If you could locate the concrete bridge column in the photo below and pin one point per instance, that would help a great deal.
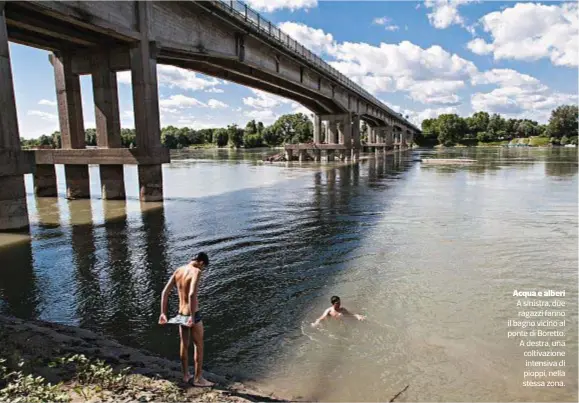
(345, 128)
(289, 154)
(45, 181)
(356, 142)
(388, 137)
(13, 210)
(71, 123)
(143, 60)
(302, 154)
(332, 132)
(317, 129)
(402, 140)
(317, 155)
(108, 124)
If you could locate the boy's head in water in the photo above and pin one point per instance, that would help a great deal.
(202, 260)
(335, 302)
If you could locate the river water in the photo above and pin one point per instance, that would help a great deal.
(430, 254)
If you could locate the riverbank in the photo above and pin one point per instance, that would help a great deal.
(76, 364)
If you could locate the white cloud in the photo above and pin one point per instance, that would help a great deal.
(47, 102)
(215, 90)
(179, 101)
(518, 95)
(43, 115)
(266, 116)
(386, 22)
(506, 77)
(314, 39)
(175, 77)
(430, 75)
(299, 108)
(529, 31)
(273, 5)
(263, 100)
(445, 13)
(215, 104)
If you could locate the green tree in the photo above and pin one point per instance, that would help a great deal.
(235, 136)
(251, 127)
(363, 132)
(451, 129)
(271, 137)
(260, 128)
(252, 140)
(169, 136)
(206, 135)
(479, 122)
(496, 125)
(221, 137)
(90, 137)
(56, 139)
(526, 128)
(564, 140)
(128, 138)
(294, 128)
(563, 121)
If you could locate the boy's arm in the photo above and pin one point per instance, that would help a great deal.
(321, 318)
(348, 313)
(165, 299)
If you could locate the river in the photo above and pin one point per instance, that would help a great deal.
(430, 254)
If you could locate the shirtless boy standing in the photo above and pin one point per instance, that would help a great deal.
(187, 279)
(337, 311)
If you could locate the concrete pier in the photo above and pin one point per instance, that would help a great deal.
(45, 181)
(150, 183)
(143, 60)
(13, 209)
(108, 123)
(302, 155)
(77, 182)
(71, 122)
(112, 182)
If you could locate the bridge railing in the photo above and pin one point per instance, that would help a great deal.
(247, 15)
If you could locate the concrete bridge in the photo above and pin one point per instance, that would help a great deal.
(224, 39)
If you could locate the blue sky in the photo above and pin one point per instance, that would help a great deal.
(421, 58)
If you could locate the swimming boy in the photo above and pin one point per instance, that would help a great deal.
(337, 311)
(186, 279)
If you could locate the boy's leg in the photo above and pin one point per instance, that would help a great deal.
(197, 332)
(185, 333)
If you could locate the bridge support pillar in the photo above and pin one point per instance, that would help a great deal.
(329, 155)
(289, 154)
(112, 182)
(317, 155)
(77, 181)
(332, 132)
(150, 183)
(302, 155)
(317, 129)
(356, 141)
(143, 60)
(45, 181)
(71, 123)
(108, 124)
(13, 209)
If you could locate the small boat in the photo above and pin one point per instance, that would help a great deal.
(452, 161)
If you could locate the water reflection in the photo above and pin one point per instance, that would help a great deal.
(18, 283)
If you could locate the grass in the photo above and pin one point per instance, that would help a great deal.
(90, 379)
(538, 141)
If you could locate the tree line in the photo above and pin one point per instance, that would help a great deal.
(451, 129)
(288, 129)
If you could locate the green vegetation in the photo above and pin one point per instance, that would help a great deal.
(484, 129)
(81, 377)
(293, 128)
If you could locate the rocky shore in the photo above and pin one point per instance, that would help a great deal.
(46, 361)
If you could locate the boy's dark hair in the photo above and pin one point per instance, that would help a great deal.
(334, 299)
(202, 257)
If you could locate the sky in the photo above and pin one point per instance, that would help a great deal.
(422, 59)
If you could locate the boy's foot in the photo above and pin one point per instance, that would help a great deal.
(187, 378)
(202, 383)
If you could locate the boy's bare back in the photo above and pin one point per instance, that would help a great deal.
(184, 277)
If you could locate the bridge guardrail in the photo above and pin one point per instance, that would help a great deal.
(247, 15)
